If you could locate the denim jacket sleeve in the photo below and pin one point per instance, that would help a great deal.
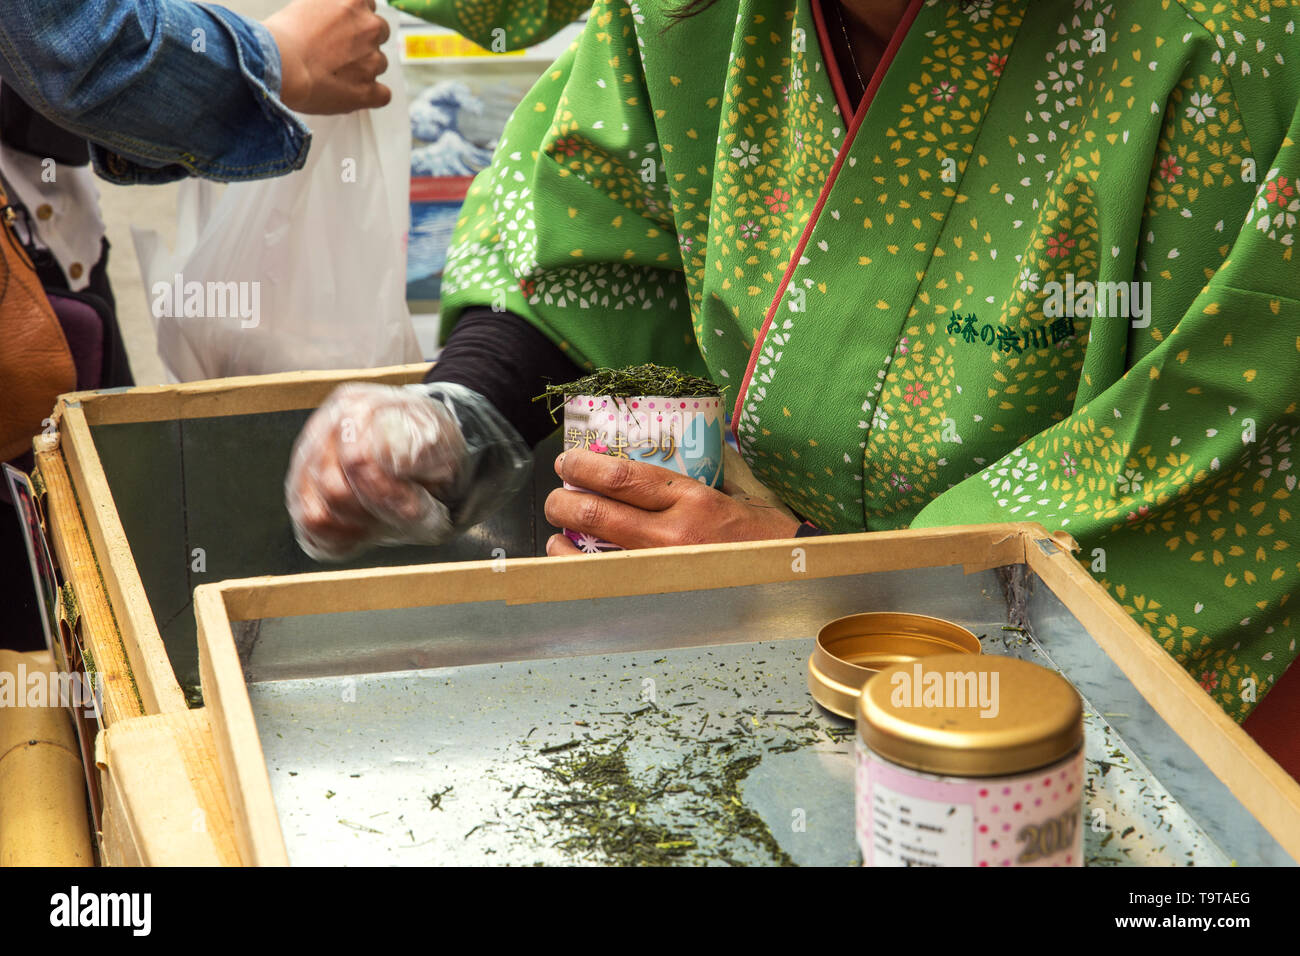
(164, 89)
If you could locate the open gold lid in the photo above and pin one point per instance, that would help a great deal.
(850, 650)
(964, 716)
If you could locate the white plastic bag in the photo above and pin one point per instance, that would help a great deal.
(305, 271)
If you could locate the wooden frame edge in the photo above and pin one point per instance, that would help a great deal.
(217, 397)
(1270, 794)
(1253, 777)
(154, 677)
(100, 635)
(242, 763)
(143, 763)
(535, 580)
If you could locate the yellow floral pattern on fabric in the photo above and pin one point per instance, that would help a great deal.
(1051, 280)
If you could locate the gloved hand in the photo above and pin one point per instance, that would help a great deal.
(382, 465)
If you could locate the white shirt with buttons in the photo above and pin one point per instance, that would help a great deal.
(63, 203)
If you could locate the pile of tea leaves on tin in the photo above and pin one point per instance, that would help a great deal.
(636, 380)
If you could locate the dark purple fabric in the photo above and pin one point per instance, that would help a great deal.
(83, 327)
(806, 530)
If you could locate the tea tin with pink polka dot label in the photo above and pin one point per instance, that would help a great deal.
(969, 761)
(685, 435)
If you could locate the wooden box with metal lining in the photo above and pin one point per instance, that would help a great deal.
(653, 707)
(146, 493)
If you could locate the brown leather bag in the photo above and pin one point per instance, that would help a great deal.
(35, 363)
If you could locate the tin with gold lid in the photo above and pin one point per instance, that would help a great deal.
(970, 761)
(851, 649)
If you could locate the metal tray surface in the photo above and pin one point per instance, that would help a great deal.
(691, 745)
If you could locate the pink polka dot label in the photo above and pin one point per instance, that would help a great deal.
(909, 818)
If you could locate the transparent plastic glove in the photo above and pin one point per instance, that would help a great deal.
(378, 465)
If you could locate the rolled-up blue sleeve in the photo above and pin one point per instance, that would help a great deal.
(163, 89)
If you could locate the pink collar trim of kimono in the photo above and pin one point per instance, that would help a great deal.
(837, 83)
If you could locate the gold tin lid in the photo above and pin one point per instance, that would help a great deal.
(975, 717)
(851, 649)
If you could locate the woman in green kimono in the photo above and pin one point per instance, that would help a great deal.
(956, 263)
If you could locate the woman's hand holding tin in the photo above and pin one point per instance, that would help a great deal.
(637, 505)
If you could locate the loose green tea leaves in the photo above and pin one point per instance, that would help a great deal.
(359, 827)
(691, 812)
(655, 380)
(647, 759)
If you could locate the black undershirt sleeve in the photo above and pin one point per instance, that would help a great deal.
(507, 361)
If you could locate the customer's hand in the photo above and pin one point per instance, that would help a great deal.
(645, 506)
(373, 465)
(329, 55)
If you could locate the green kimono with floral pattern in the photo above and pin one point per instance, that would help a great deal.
(520, 23)
(1045, 272)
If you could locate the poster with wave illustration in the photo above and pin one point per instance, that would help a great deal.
(460, 99)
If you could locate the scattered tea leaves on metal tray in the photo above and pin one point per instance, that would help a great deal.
(599, 769)
(358, 826)
(604, 811)
(596, 800)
